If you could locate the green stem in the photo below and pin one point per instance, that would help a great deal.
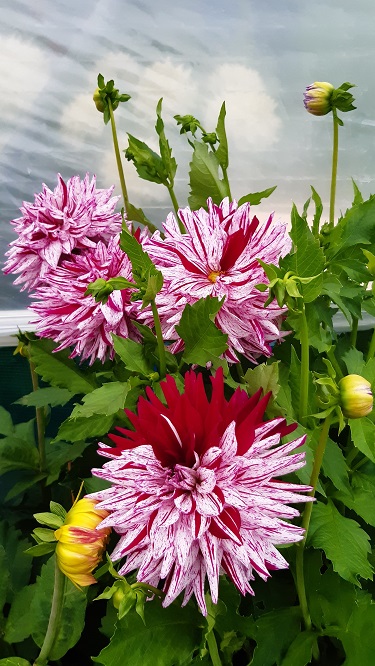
(351, 455)
(118, 160)
(300, 579)
(304, 389)
(40, 423)
(175, 206)
(159, 337)
(331, 357)
(54, 618)
(226, 181)
(335, 154)
(371, 349)
(213, 649)
(354, 331)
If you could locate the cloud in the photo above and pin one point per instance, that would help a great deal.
(252, 121)
(24, 74)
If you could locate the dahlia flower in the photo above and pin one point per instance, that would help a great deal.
(217, 256)
(74, 215)
(356, 397)
(71, 318)
(317, 98)
(194, 492)
(80, 545)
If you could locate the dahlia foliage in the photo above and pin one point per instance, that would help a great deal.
(194, 492)
(192, 353)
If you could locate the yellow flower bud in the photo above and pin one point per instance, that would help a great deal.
(317, 98)
(355, 396)
(81, 545)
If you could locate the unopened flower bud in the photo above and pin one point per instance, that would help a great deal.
(317, 98)
(81, 545)
(356, 397)
(98, 101)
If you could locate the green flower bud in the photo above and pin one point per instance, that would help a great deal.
(98, 101)
(356, 397)
(317, 98)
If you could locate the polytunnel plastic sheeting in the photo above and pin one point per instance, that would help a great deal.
(258, 56)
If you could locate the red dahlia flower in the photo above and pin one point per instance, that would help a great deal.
(194, 492)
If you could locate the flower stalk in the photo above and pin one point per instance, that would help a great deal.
(40, 422)
(305, 360)
(213, 649)
(306, 517)
(54, 618)
(335, 154)
(159, 337)
(118, 160)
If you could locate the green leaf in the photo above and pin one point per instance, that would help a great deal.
(132, 355)
(137, 215)
(74, 430)
(265, 376)
(52, 396)
(18, 564)
(58, 454)
(354, 228)
(107, 399)
(300, 651)
(308, 258)
(358, 636)
(343, 541)
(4, 577)
(272, 644)
(318, 211)
(20, 622)
(169, 638)
(16, 454)
(222, 151)
(354, 361)
(6, 423)
(57, 368)
(94, 484)
(14, 661)
(149, 165)
(254, 198)
(334, 465)
(49, 519)
(44, 534)
(41, 549)
(204, 342)
(140, 260)
(72, 617)
(169, 163)
(204, 178)
(362, 497)
(363, 436)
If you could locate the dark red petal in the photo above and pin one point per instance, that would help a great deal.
(227, 525)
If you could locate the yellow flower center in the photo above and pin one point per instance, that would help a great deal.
(213, 276)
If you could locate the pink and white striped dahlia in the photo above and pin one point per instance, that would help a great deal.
(194, 492)
(69, 317)
(74, 215)
(217, 256)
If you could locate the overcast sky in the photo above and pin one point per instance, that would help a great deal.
(258, 55)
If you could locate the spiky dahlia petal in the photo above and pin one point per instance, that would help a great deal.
(71, 318)
(75, 215)
(194, 491)
(218, 256)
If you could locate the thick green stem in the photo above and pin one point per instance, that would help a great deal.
(331, 357)
(371, 349)
(40, 422)
(213, 649)
(300, 579)
(159, 337)
(304, 388)
(335, 154)
(226, 181)
(54, 618)
(118, 160)
(176, 207)
(354, 331)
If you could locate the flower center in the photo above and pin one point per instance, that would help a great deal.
(214, 275)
